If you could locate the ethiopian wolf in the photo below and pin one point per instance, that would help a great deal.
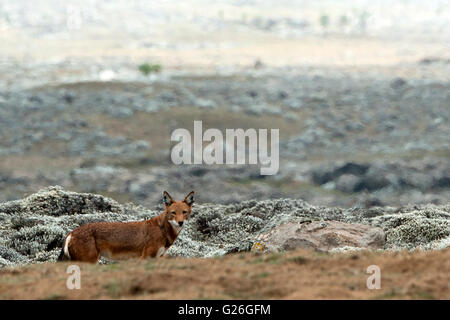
(119, 240)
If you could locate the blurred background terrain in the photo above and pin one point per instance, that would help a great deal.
(91, 90)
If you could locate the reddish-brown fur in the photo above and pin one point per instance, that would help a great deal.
(129, 239)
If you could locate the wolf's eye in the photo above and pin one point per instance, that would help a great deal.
(172, 212)
(184, 211)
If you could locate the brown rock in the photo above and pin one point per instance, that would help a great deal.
(323, 236)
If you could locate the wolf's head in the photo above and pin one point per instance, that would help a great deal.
(178, 211)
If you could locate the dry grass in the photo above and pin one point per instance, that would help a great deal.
(294, 275)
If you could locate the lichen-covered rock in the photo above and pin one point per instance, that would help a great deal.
(322, 236)
(32, 229)
(419, 231)
(54, 201)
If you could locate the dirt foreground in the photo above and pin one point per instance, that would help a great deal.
(294, 275)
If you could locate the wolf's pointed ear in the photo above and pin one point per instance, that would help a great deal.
(189, 200)
(167, 199)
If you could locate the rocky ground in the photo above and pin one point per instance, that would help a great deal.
(360, 93)
(346, 139)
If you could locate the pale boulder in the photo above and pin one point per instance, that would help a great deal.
(322, 236)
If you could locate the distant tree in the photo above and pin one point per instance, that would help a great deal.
(343, 20)
(147, 68)
(363, 17)
(324, 21)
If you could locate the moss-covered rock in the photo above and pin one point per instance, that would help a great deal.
(32, 229)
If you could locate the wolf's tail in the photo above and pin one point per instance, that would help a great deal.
(64, 254)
